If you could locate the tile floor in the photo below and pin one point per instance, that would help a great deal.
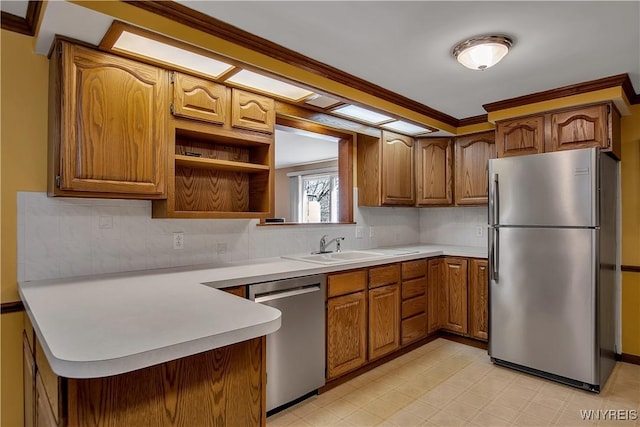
(445, 383)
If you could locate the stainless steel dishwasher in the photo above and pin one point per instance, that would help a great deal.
(295, 352)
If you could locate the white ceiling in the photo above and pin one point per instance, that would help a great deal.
(297, 147)
(15, 7)
(405, 46)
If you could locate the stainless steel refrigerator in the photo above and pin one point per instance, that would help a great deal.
(553, 264)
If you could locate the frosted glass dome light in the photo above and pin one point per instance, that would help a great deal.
(482, 52)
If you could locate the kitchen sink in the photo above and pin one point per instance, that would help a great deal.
(336, 257)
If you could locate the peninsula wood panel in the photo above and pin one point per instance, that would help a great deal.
(434, 171)
(239, 291)
(478, 299)
(472, 154)
(397, 169)
(455, 295)
(524, 135)
(253, 112)
(435, 294)
(384, 320)
(199, 99)
(108, 125)
(224, 386)
(346, 333)
(28, 376)
(581, 128)
(44, 416)
(51, 384)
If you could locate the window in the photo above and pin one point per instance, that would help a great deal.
(317, 197)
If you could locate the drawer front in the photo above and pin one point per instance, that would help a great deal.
(414, 306)
(386, 275)
(413, 269)
(346, 283)
(413, 288)
(414, 328)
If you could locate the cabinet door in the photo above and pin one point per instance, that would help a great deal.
(478, 298)
(346, 333)
(199, 99)
(435, 171)
(29, 384)
(384, 320)
(455, 291)
(113, 125)
(397, 169)
(435, 294)
(520, 136)
(239, 291)
(586, 127)
(252, 112)
(472, 159)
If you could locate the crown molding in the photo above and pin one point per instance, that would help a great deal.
(26, 25)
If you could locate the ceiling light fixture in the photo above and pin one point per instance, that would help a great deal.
(482, 52)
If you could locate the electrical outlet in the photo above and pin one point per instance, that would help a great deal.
(221, 248)
(178, 240)
(359, 232)
(479, 231)
(372, 232)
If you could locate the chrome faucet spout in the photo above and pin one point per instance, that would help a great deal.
(324, 243)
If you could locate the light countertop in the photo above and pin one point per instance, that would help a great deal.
(96, 326)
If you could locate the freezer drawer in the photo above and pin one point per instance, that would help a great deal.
(542, 300)
(551, 189)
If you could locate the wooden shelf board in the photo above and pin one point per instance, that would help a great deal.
(227, 165)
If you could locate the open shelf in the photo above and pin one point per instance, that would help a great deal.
(226, 165)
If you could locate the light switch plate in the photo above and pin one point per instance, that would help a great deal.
(359, 232)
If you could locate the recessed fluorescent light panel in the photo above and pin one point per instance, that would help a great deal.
(405, 127)
(155, 50)
(322, 101)
(362, 114)
(267, 84)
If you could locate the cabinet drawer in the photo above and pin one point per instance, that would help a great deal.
(414, 306)
(252, 112)
(413, 288)
(386, 275)
(346, 283)
(199, 99)
(414, 328)
(413, 269)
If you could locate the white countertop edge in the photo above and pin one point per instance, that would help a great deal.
(104, 368)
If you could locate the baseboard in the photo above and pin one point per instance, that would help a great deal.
(464, 340)
(628, 358)
(11, 307)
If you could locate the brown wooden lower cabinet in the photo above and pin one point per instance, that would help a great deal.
(346, 333)
(455, 295)
(225, 386)
(478, 298)
(435, 294)
(384, 320)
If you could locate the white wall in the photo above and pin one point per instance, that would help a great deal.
(63, 237)
(454, 226)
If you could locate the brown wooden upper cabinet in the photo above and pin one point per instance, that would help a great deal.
(107, 126)
(472, 161)
(253, 112)
(385, 170)
(434, 169)
(577, 127)
(520, 136)
(199, 99)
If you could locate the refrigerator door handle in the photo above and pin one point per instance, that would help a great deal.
(496, 199)
(491, 250)
(495, 254)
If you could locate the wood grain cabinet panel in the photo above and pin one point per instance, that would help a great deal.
(384, 275)
(478, 298)
(413, 269)
(435, 294)
(414, 301)
(397, 169)
(455, 295)
(414, 328)
(346, 283)
(252, 112)
(524, 135)
(29, 373)
(472, 164)
(346, 333)
(434, 171)
(581, 128)
(108, 125)
(199, 99)
(44, 416)
(384, 320)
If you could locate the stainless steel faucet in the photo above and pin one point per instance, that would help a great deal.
(324, 244)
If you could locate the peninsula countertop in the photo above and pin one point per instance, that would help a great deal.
(95, 326)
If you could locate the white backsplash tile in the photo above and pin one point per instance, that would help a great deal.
(64, 237)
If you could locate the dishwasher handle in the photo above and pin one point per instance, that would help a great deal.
(270, 296)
